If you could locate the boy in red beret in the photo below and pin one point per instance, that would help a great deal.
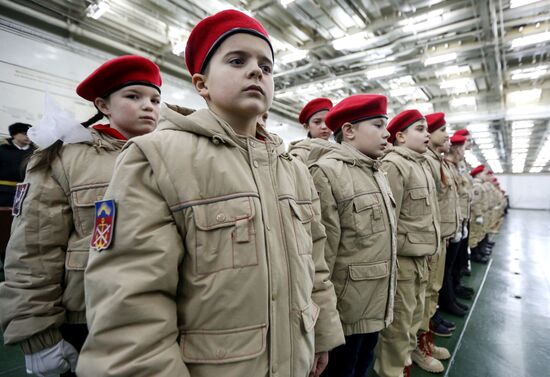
(418, 237)
(216, 267)
(427, 355)
(359, 218)
(312, 117)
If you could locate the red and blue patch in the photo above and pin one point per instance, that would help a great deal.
(104, 224)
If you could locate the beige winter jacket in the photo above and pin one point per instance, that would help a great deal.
(464, 186)
(358, 214)
(216, 266)
(48, 248)
(414, 191)
(447, 194)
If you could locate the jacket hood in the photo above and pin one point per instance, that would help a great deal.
(350, 155)
(206, 123)
(407, 153)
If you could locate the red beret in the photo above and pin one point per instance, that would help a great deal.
(401, 121)
(209, 33)
(457, 139)
(478, 169)
(312, 107)
(462, 132)
(117, 73)
(435, 121)
(356, 108)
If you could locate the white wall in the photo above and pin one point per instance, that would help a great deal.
(35, 62)
(527, 191)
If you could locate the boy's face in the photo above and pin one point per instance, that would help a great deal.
(316, 126)
(415, 137)
(369, 136)
(22, 139)
(239, 77)
(459, 151)
(439, 137)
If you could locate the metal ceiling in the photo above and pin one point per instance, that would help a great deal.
(486, 63)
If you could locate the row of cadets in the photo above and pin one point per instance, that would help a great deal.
(427, 354)
(418, 237)
(42, 300)
(216, 267)
(358, 214)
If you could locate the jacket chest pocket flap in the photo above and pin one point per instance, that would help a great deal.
(368, 214)
(223, 346)
(419, 202)
(302, 217)
(83, 206)
(225, 235)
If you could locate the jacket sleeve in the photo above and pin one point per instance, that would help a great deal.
(396, 182)
(30, 308)
(131, 287)
(328, 329)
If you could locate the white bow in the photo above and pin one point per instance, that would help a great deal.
(57, 124)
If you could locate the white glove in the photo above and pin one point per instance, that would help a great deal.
(479, 220)
(52, 361)
(457, 237)
(464, 231)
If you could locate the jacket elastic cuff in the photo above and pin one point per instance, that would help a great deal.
(329, 342)
(40, 341)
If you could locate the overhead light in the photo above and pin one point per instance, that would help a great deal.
(524, 132)
(483, 140)
(481, 134)
(293, 56)
(520, 3)
(401, 81)
(286, 3)
(424, 108)
(535, 169)
(521, 124)
(478, 127)
(490, 154)
(453, 70)
(522, 97)
(531, 39)
(463, 102)
(423, 22)
(333, 85)
(486, 146)
(460, 85)
(355, 41)
(529, 73)
(440, 58)
(97, 9)
(380, 72)
(178, 39)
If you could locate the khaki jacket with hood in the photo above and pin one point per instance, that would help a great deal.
(417, 211)
(48, 249)
(447, 194)
(479, 199)
(358, 215)
(216, 267)
(464, 186)
(310, 150)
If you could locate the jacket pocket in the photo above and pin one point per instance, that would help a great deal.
(368, 215)
(84, 205)
(365, 293)
(309, 316)
(419, 202)
(301, 222)
(73, 290)
(225, 235)
(223, 346)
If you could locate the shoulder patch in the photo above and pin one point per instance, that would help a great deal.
(20, 193)
(104, 224)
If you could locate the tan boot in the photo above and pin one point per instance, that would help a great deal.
(439, 353)
(423, 358)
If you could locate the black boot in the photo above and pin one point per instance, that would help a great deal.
(453, 309)
(462, 306)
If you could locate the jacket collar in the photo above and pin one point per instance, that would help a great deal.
(408, 154)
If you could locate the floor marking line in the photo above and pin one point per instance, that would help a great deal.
(459, 343)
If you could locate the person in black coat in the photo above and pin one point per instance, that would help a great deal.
(14, 154)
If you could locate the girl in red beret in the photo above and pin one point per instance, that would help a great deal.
(216, 265)
(312, 117)
(42, 300)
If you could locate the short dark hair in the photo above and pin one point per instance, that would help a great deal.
(18, 128)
